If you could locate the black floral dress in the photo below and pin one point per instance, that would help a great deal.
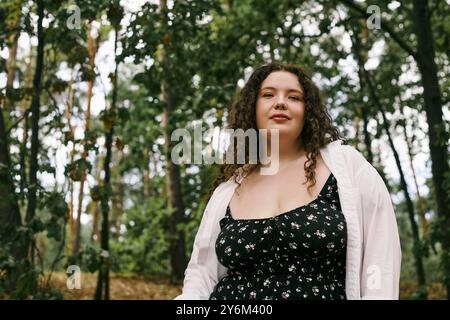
(299, 254)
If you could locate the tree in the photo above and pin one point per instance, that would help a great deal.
(423, 52)
(115, 15)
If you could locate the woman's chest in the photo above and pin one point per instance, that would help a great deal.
(269, 196)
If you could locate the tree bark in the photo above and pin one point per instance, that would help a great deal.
(146, 174)
(102, 291)
(34, 108)
(420, 200)
(95, 236)
(433, 108)
(23, 145)
(71, 135)
(173, 178)
(10, 219)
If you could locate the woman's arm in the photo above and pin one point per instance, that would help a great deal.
(380, 272)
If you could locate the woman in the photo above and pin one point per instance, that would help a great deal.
(321, 227)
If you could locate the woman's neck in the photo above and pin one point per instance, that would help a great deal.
(287, 153)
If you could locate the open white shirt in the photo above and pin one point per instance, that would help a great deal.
(373, 245)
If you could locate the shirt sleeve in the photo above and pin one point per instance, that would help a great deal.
(201, 274)
(381, 256)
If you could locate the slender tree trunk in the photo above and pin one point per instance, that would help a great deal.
(146, 173)
(23, 145)
(11, 68)
(175, 200)
(420, 200)
(118, 206)
(362, 56)
(10, 219)
(12, 40)
(102, 291)
(173, 180)
(378, 164)
(357, 122)
(409, 205)
(35, 106)
(92, 52)
(95, 236)
(367, 137)
(71, 137)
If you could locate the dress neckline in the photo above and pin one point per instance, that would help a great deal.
(286, 212)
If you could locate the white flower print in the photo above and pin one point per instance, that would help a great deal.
(267, 229)
(250, 246)
(320, 233)
(295, 225)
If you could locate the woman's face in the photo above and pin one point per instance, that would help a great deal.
(281, 93)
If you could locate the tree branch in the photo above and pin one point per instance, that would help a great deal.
(385, 26)
(25, 114)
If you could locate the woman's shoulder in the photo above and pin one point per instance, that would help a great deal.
(221, 188)
(352, 155)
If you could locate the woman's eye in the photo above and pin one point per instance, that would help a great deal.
(295, 98)
(267, 95)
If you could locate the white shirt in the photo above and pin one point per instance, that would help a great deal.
(373, 245)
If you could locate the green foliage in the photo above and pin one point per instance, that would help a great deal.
(89, 258)
(77, 170)
(143, 248)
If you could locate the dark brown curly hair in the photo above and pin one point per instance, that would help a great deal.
(317, 132)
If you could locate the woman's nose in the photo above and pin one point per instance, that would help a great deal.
(280, 105)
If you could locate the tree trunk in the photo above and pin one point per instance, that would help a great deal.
(10, 219)
(433, 108)
(13, 34)
(420, 200)
(34, 108)
(92, 52)
(409, 205)
(146, 174)
(424, 55)
(102, 291)
(357, 123)
(95, 236)
(23, 144)
(360, 52)
(175, 200)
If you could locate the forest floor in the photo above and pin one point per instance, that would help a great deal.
(133, 287)
(122, 287)
(436, 291)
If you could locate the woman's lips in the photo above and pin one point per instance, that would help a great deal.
(279, 119)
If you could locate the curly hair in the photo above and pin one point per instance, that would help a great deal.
(317, 132)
